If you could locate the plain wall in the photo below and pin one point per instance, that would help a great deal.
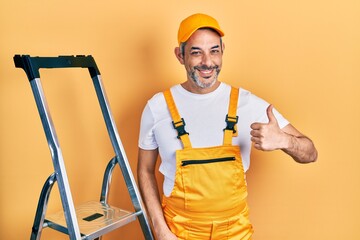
(301, 56)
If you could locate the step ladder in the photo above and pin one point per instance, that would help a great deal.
(95, 218)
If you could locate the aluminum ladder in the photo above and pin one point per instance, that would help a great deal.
(95, 218)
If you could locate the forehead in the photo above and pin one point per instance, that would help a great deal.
(204, 38)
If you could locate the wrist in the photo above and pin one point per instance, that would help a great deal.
(160, 227)
(288, 142)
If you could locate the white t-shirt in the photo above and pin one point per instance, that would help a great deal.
(204, 116)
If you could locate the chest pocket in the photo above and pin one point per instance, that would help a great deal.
(212, 179)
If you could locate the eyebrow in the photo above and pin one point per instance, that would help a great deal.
(197, 48)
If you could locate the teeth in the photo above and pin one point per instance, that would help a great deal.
(206, 71)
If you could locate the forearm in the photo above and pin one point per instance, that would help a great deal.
(300, 148)
(150, 193)
(149, 190)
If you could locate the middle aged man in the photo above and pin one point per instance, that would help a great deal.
(203, 130)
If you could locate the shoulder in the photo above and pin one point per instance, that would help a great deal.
(249, 99)
(244, 94)
(157, 105)
(158, 98)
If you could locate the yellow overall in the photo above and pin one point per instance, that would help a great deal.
(209, 196)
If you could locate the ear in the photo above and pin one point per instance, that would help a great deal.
(179, 55)
(223, 47)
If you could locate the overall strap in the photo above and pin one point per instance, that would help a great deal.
(231, 118)
(178, 122)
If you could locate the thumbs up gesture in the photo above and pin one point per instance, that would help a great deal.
(268, 136)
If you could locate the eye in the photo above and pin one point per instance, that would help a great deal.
(215, 51)
(195, 53)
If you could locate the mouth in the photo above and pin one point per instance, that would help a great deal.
(206, 72)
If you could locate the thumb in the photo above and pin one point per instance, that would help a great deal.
(270, 114)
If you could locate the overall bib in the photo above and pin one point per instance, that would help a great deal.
(209, 196)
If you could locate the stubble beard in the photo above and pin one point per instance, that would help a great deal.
(200, 83)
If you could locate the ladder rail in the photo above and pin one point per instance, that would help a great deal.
(121, 157)
(107, 180)
(42, 207)
(57, 158)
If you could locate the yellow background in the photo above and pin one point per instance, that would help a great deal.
(302, 56)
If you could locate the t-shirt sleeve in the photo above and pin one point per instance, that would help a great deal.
(259, 111)
(146, 136)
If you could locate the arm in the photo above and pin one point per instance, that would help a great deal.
(149, 190)
(268, 137)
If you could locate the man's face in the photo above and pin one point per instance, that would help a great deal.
(202, 58)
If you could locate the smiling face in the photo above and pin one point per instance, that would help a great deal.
(202, 58)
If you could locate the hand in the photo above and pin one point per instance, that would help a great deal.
(268, 136)
(168, 235)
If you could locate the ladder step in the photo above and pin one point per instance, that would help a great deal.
(95, 219)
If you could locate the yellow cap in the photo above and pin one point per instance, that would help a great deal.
(192, 23)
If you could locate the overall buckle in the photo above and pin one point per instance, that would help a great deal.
(180, 127)
(231, 122)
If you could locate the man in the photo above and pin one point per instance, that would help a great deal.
(203, 130)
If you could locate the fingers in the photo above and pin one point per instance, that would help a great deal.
(257, 143)
(257, 146)
(270, 114)
(255, 140)
(262, 134)
(255, 133)
(256, 126)
(259, 131)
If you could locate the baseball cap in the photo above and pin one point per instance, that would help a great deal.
(192, 23)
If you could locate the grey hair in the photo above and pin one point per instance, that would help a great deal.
(182, 48)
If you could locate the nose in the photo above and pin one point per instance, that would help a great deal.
(206, 60)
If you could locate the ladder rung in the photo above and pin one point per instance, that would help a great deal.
(95, 219)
